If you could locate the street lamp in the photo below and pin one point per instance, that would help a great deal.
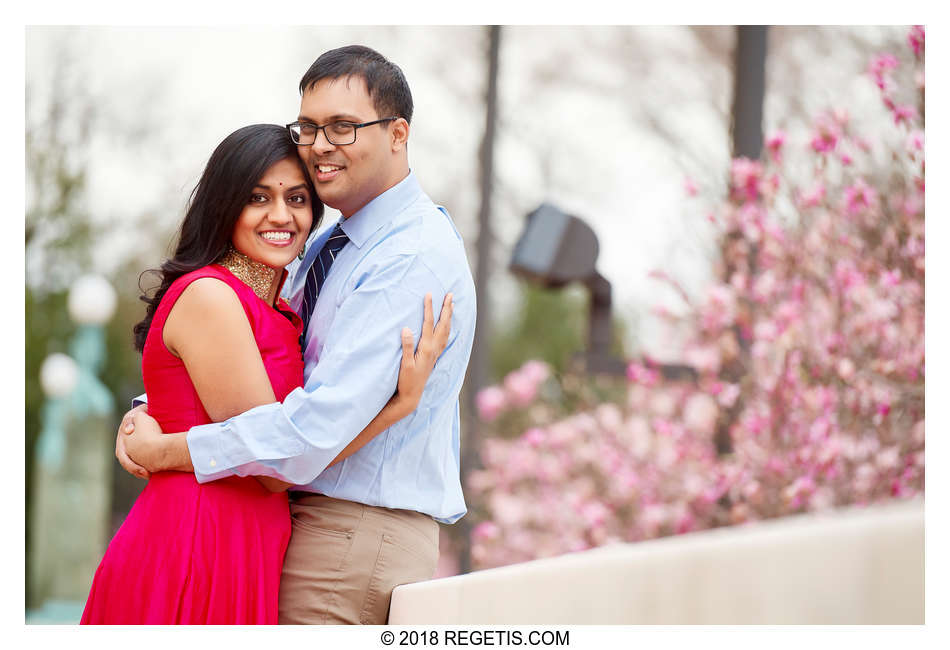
(58, 375)
(73, 477)
(91, 300)
(555, 249)
(91, 304)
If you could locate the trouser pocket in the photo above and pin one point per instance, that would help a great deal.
(399, 561)
(314, 566)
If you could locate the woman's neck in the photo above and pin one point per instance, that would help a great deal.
(262, 279)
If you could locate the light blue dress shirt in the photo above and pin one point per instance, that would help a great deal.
(401, 247)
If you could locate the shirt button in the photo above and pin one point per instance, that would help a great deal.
(213, 463)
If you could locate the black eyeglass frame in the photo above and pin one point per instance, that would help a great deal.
(326, 135)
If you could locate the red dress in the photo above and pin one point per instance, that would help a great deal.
(191, 553)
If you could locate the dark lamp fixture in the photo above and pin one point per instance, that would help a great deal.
(555, 249)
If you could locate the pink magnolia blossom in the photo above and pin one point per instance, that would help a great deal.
(827, 134)
(663, 403)
(490, 401)
(639, 373)
(720, 308)
(485, 530)
(534, 437)
(536, 371)
(899, 490)
(845, 369)
(800, 491)
(662, 426)
(706, 358)
(690, 187)
(594, 513)
(880, 68)
(915, 141)
(808, 352)
(766, 330)
(700, 413)
(774, 144)
(685, 523)
(859, 197)
(729, 394)
(520, 388)
(814, 196)
(841, 117)
(904, 114)
(746, 178)
(653, 516)
(883, 63)
(888, 458)
(916, 40)
(911, 206)
(766, 286)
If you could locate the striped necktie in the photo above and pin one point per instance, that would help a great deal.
(318, 274)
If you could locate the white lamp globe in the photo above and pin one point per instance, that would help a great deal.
(91, 300)
(58, 375)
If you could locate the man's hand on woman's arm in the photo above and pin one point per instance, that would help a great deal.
(414, 371)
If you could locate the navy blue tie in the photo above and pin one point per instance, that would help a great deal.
(318, 274)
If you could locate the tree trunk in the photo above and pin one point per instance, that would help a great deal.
(478, 367)
(747, 108)
(748, 91)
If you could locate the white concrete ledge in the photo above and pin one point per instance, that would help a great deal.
(851, 566)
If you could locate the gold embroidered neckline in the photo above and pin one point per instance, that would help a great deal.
(257, 275)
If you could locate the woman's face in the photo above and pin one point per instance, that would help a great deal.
(274, 224)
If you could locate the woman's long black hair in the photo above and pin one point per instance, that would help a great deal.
(225, 187)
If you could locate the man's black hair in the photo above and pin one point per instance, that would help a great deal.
(385, 82)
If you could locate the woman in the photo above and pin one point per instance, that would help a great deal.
(217, 341)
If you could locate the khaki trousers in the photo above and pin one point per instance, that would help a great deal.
(344, 560)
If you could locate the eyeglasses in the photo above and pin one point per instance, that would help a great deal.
(336, 133)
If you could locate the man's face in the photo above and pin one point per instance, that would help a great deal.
(347, 177)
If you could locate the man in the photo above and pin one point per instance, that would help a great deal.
(368, 523)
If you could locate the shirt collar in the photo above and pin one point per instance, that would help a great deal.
(377, 213)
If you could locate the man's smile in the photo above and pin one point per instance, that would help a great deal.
(327, 171)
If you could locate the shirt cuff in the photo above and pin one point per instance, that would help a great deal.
(240, 447)
(205, 452)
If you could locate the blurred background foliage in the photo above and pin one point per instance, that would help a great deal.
(61, 238)
(550, 325)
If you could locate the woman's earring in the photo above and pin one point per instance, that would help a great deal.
(303, 249)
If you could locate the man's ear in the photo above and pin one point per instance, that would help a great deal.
(399, 134)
